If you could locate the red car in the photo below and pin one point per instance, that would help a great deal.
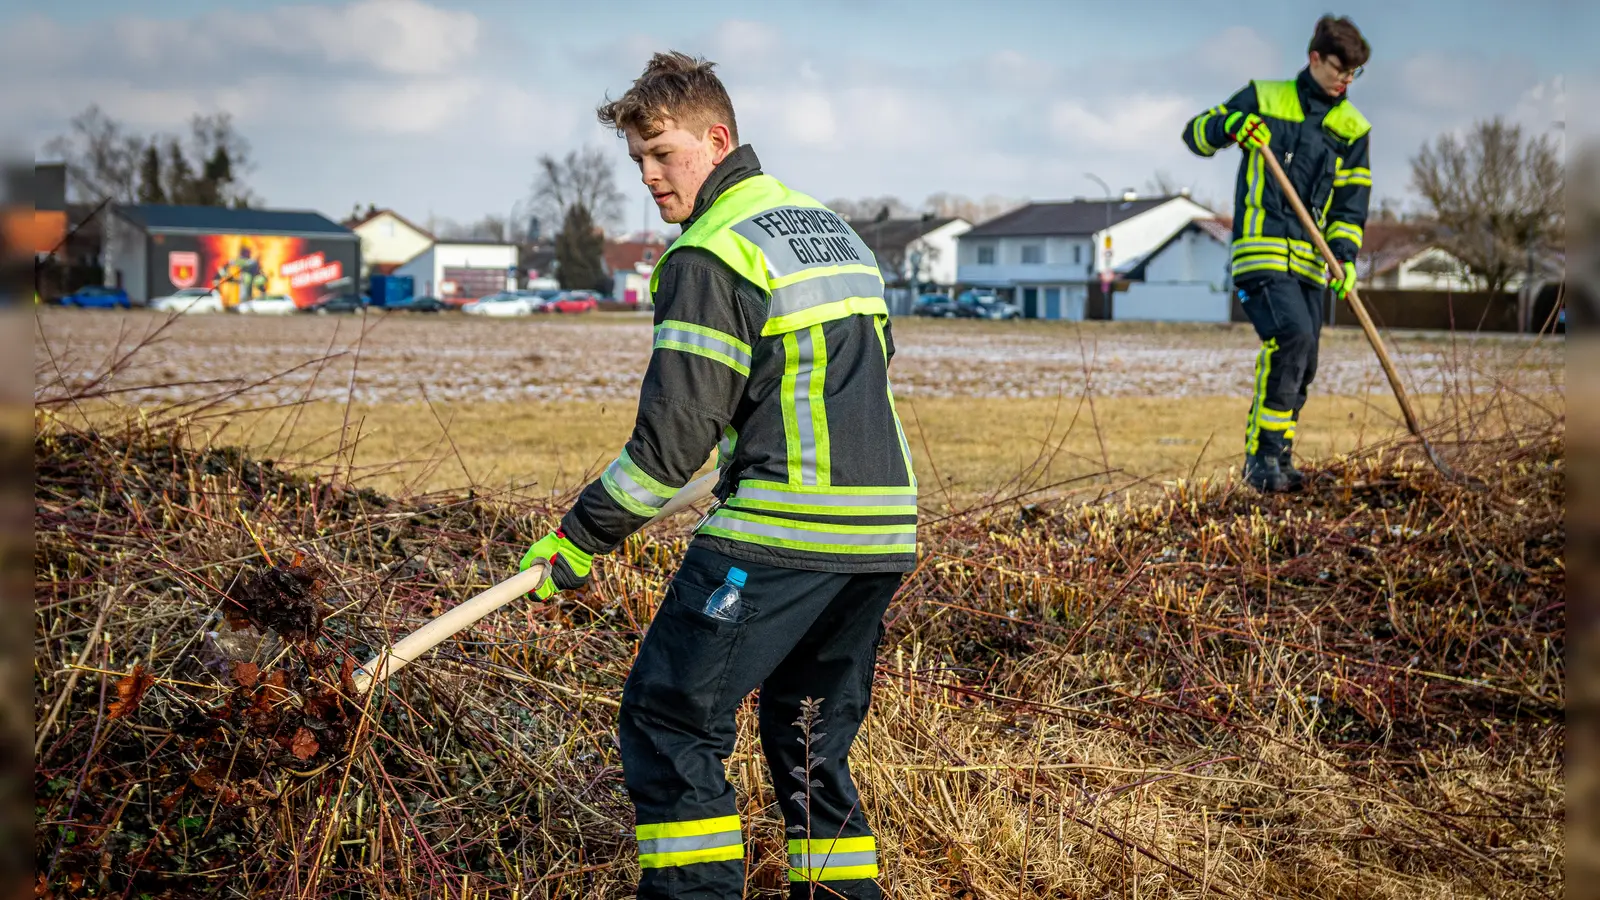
(572, 302)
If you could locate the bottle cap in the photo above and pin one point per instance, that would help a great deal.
(736, 577)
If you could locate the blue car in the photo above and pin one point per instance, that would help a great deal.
(96, 297)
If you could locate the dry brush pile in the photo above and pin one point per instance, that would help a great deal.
(1355, 692)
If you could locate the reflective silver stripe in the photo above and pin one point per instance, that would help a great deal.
(619, 476)
(826, 861)
(823, 289)
(805, 360)
(693, 842)
(678, 335)
(812, 499)
(797, 238)
(821, 535)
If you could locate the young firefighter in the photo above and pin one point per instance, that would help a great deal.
(772, 338)
(1321, 141)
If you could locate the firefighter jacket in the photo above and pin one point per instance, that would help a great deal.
(772, 346)
(1322, 145)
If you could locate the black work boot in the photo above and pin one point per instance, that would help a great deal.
(1295, 478)
(1262, 473)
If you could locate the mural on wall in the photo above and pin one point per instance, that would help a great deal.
(251, 266)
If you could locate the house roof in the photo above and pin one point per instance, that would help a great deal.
(1070, 217)
(402, 219)
(624, 255)
(227, 220)
(897, 234)
(1385, 245)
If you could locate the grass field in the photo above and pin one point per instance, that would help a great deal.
(427, 403)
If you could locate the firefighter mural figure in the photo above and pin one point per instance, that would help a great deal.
(1280, 278)
(772, 346)
(244, 272)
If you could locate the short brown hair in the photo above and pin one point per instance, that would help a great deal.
(1340, 37)
(675, 87)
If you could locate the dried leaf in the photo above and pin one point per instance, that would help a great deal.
(246, 674)
(204, 778)
(347, 676)
(130, 690)
(798, 796)
(305, 744)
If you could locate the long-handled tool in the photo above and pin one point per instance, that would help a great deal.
(1354, 299)
(418, 642)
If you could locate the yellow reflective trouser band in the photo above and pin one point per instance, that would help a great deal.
(699, 340)
(633, 489)
(849, 501)
(844, 859)
(1252, 433)
(684, 843)
(805, 417)
(816, 537)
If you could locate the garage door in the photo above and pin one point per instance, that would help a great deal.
(471, 283)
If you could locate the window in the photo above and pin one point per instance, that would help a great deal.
(1033, 254)
(985, 254)
(1077, 254)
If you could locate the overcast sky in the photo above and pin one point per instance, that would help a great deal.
(441, 107)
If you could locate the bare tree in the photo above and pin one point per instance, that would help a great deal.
(102, 158)
(1494, 199)
(947, 205)
(583, 177)
(1162, 184)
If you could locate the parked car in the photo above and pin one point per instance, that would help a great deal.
(572, 302)
(419, 304)
(189, 300)
(269, 305)
(338, 303)
(96, 297)
(505, 303)
(937, 306)
(973, 305)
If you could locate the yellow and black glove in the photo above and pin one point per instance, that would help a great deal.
(1341, 280)
(1248, 129)
(569, 566)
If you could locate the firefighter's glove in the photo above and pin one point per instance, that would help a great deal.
(1248, 130)
(1341, 281)
(569, 566)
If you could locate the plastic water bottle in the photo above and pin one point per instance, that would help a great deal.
(723, 604)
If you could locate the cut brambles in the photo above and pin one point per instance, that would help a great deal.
(1356, 692)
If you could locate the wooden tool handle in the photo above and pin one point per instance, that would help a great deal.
(1351, 295)
(418, 642)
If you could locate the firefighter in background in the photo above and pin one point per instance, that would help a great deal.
(1280, 278)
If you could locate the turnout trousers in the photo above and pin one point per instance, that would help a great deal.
(801, 634)
(1287, 315)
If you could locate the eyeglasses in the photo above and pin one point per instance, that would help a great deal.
(1352, 74)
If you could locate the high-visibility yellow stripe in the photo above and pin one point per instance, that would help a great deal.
(831, 873)
(817, 846)
(690, 857)
(1252, 433)
(791, 422)
(827, 312)
(819, 411)
(690, 828)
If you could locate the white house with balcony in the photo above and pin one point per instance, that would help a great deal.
(1044, 256)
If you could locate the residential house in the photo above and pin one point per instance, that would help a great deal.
(629, 263)
(1043, 256)
(389, 239)
(1184, 279)
(914, 255)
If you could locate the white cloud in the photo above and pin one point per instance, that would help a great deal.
(1131, 123)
